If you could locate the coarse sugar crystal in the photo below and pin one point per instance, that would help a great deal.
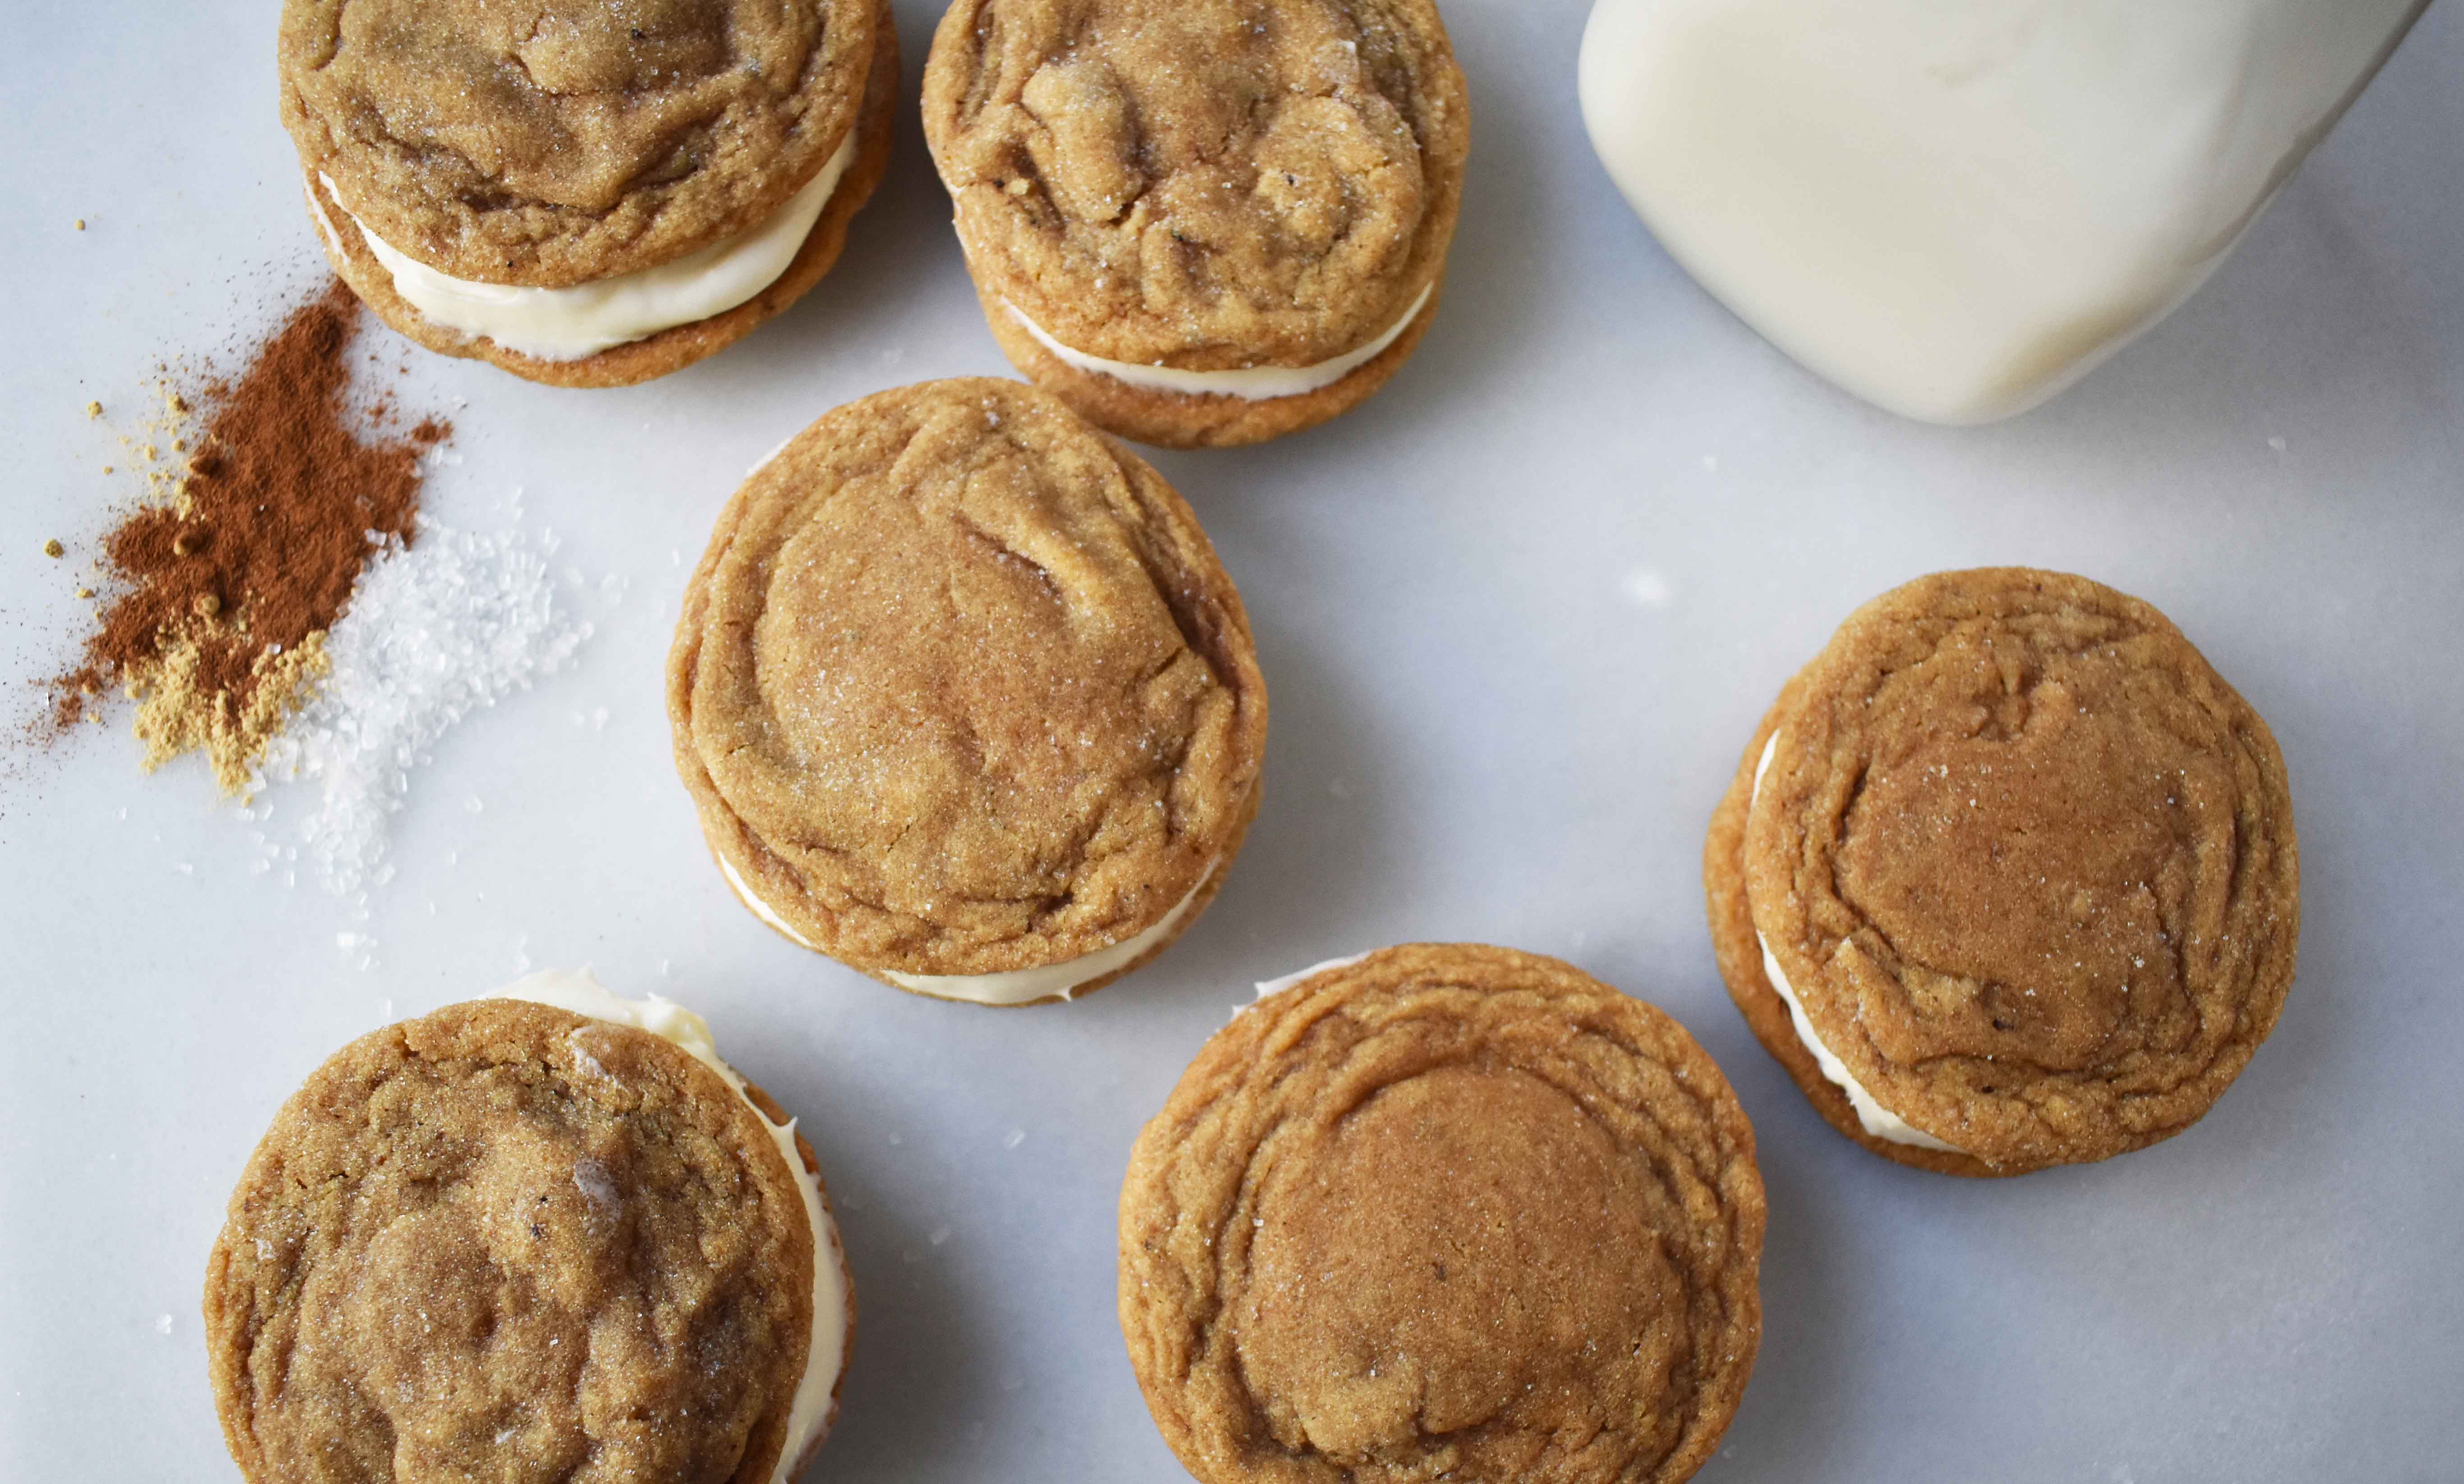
(434, 631)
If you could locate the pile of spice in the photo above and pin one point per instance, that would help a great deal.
(279, 601)
(226, 589)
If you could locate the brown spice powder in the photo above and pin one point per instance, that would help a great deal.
(233, 583)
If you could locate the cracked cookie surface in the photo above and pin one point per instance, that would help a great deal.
(960, 688)
(506, 1241)
(1447, 1210)
(1204, 185)
(2028, 864)
(553, 143)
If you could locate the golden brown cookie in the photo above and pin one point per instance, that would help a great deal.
(564, 144)
(512, 1241)
(1444, 1211)
(965, 700)
(1255, 193)
(2027, 865)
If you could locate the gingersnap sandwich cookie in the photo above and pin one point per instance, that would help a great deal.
(1444, 1211)
(584, 192)
(2007, 877)
(964, 699)
(1201, 222)
(544, 1235)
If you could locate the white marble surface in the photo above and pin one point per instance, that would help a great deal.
(1517, 615)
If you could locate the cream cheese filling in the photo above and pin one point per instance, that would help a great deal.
(586, 319)
(579, 990)
(1250, 384)
(1877, 1120)
(1017, 986)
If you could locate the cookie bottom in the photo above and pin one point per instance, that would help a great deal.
(681, 345)
(1182, 420)
(1741, 967)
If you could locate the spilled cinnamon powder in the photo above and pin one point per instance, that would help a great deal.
(228, 587)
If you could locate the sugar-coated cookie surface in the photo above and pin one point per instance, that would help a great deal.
(1445, 1211)
(507, 1241)
(2026, 862)
(960, 688)
(552, 143)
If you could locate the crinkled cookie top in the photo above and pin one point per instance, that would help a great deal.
(1205, 183)
(1448, 1211)
(506, 1242)
(2029, 864)
(960, 686)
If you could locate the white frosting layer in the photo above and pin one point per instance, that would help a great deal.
(1879, 1121)
(1957, 209)
(571, 323)
(1250, 384)
(1019, 985)
(579, 990)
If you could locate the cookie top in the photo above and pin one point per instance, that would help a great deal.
(1205, 184)
(960, 688)
(2028, 864)
(508, 1241)
(1445, 1211)
(551, 142)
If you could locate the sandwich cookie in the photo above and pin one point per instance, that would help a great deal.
(581, 192)
(2007, 878)
(547, 1235)
(964, 699)
(1444, 1211)
(1201, 222)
